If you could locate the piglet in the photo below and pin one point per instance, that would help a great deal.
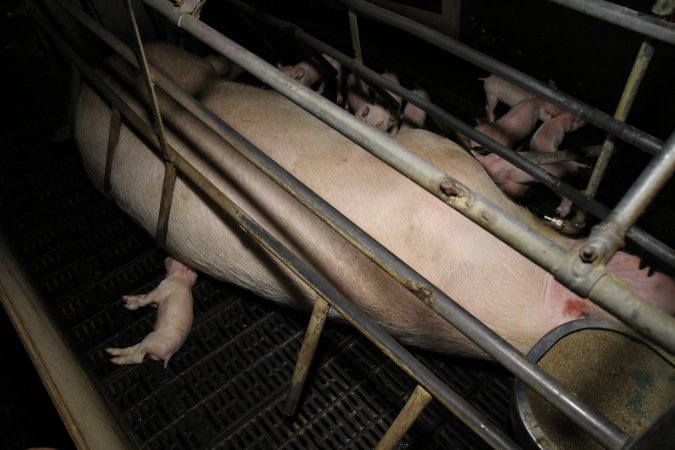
(372, 113)
(514, 182)
(498, 89)
(173, 299)
(550, 134)
(308, 72)
(512, 126)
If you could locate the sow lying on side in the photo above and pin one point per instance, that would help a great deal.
(510, 294)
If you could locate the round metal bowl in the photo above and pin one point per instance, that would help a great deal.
(614, 370)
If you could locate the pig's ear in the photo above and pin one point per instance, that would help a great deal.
(167, 263)
(298, 73)
(188, 274)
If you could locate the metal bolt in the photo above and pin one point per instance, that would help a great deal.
(588, 254)
(487, 215)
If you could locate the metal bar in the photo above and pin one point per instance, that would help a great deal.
(593, 115)
(74, 93)
(356, 40)
(563, 155)
(638, 236)
(169, 169)
(630, 91)
(309, 345)
(113, 139)
(150, 85)
(410, 412)
(607, 237)
(624, 17)
(165, 204)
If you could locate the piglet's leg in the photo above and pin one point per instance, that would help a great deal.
(133, 302)
(130, 355)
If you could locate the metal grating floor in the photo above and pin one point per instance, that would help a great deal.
(225, 388)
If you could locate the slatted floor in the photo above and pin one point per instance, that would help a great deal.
(225, 388)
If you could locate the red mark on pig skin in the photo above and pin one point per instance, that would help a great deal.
(575, 307)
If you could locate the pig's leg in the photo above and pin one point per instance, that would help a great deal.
(133, 302)
(564, 208)
(130, 355)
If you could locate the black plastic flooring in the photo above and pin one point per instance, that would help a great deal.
(225, 388)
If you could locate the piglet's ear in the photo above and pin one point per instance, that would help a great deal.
(168, 262)
(189, 274)
(298, 73)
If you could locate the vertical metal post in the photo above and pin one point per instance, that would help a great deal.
(113, 138)
(630, 91)
(412, 409)
(607, 237)
(170, 170)
(356, 40)
(309, 344)
(74, 92)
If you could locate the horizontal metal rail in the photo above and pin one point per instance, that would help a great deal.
(627, 18)
(390, 347)
(593, 115)
(642, 239)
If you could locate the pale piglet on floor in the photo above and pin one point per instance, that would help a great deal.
(173, 298)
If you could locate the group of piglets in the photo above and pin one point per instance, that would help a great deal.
(360, 101)
(518, 123)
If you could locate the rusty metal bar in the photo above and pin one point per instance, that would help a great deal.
(113, 139)
(630, 91)
(166, 200)
(309, 345)
(169, 169)
(638, 236)
(418, 400)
